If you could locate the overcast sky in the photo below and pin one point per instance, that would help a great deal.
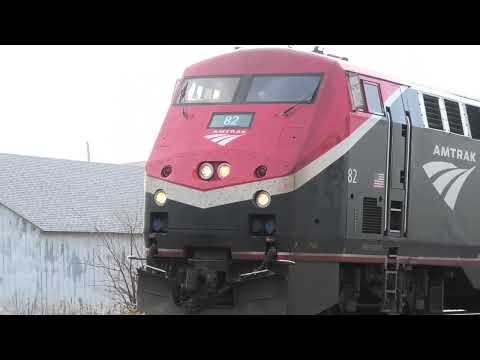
(55, 98)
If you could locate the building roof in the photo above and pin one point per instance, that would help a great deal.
(73, 196)
(138, 163)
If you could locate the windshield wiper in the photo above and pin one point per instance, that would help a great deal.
(285, 113)
(181, 97)
(182, 93)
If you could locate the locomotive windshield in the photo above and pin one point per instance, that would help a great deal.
(283, 88)
(208, 90)
(249, 89)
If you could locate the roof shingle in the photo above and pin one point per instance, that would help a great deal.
(73, 196)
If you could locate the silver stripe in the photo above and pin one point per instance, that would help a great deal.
(441, 183)
(435, 167)
(277, 186)
(217, 197)
(452, 194)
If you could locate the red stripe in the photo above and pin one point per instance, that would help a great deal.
(379, 259)
(339, 258)
(171, 253)
(312, 257)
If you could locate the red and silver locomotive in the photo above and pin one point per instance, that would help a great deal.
(287, 182)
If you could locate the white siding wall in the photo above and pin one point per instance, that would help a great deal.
(48, 272)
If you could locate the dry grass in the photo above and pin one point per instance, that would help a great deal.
(28, 306)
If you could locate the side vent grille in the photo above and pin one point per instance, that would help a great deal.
(372, 216)
(454, 117)
(432, 109)
(473, 114)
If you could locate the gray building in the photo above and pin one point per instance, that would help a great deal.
(54, 217)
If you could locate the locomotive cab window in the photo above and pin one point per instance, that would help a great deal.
(356, 94)
(372, 95)
(210, 90)
(300, 89)
(364, 95)
(284, 88)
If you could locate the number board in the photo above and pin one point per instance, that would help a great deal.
(231, 120)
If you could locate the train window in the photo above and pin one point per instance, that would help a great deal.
(356, 94)
(290, 88)
(432, 110)
(208, 90)
(473, 114)
(372, 95)
(453, 115)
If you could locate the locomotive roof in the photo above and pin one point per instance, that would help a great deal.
(420, 87)
(72, 196)
(281, 60)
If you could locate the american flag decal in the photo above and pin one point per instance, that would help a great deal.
(379, 180)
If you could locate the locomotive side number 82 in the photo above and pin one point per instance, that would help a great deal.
(352, 176)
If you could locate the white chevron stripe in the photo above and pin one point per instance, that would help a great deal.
(435, 167)
(220, 138)
(446, 178)
(454, 191)
(214, 135)
(454, 178)
(217, 136)
(226, 141)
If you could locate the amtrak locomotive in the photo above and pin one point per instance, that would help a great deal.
(288, 182)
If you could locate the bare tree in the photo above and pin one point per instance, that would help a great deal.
(118, 270)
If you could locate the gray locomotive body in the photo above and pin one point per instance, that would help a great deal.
(383, 220)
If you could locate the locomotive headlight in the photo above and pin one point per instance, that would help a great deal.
(223, 170)
(160, 197)
(206, 171)
(262, 199)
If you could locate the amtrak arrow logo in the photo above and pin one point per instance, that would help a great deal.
(222, 139)
(449, 182)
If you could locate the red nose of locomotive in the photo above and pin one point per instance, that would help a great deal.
(193, 154)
